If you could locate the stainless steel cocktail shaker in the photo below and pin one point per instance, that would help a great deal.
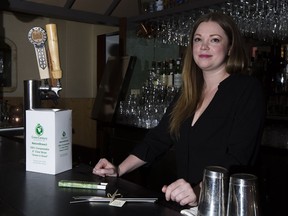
(213, 196)
(242, 196)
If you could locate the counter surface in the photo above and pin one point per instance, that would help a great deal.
(29, 193)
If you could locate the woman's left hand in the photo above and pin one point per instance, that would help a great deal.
(181, 192)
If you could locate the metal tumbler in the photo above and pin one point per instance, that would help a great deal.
(242, 195)
(213, 195)
(31, 94)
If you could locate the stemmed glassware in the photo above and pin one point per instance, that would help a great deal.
(146, 109)
(262, 20)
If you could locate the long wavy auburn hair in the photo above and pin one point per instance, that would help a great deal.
(192, 75)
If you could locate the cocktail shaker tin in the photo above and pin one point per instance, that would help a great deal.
(213, 196)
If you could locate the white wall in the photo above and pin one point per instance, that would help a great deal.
(78, 53)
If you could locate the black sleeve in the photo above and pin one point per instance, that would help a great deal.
(247, 128)
(157, 141)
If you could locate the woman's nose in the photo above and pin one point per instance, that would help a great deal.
(204, 45)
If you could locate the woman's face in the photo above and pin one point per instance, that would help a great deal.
(210, 46)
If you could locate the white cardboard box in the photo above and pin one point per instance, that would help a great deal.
(48, 137)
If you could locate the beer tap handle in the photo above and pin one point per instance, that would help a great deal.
(37, 36)
(53, 51)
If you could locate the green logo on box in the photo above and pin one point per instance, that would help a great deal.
(39, 130)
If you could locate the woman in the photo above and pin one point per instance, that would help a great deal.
(217, 118)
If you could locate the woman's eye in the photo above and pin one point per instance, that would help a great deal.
(196, 39)
(215, 40)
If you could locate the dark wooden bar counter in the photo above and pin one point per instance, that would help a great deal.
(29, 193)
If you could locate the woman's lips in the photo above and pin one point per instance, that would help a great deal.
(205, 56)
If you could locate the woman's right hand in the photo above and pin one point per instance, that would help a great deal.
(105, 168)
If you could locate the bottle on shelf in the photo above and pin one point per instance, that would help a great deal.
(158, 73)
(153, 77)
(170, 73)
(163, 74)
(178, 74)
(159, 5)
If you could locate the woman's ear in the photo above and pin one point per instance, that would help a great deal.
(229, 52)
